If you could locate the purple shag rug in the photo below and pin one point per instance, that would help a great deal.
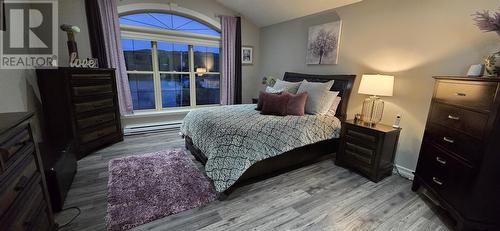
(146, 187)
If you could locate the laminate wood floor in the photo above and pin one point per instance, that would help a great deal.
(321, 196)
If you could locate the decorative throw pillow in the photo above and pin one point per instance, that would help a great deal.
(317, 95)
(335, 105)
(330, 98)
(262, 97)
(274, 90)
(275, 104)
(296, 103)
(290, 87)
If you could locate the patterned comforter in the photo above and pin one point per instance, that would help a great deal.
(235, 137)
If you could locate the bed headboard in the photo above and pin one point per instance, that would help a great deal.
(342, 84)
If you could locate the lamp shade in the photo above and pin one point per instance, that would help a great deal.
(379, 85)
(201, 71)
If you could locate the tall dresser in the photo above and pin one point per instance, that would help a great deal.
(459, 162)
(24, 201)
(80, 108)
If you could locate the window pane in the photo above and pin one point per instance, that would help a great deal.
(175, 90)
(168, 22)
(208, 89)
(137, 55)
(173, 57)
(142, 90)
(206, 57)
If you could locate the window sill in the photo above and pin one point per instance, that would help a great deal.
(178, 111)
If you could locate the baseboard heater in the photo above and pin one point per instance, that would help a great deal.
(151, 128)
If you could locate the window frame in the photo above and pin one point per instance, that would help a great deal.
(163, 35)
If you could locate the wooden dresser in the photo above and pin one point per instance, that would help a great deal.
(24, 201)
(367, 149)
(80, 108)
(459, 160)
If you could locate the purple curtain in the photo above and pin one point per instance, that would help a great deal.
(231, 61)
(104, 29)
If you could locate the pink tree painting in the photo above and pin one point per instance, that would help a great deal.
(323, 43)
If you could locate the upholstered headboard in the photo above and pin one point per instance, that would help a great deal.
(342, 84)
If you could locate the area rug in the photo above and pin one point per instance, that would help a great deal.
(143, 188)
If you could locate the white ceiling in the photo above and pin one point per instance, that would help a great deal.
(269, 12)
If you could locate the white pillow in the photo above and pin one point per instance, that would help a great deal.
(330, 98)
(333, 108)
(274, 90)
(290, 87)
(317, 95)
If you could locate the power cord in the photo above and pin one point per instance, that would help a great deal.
(72, 219)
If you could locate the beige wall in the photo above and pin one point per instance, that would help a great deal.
(413, 40)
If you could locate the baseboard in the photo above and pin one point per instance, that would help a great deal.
(404, 172)
(151, 128)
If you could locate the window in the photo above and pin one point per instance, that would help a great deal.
(171, 61)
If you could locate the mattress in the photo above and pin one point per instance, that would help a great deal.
(235, 137)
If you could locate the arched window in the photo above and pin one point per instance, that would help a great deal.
(172, 61)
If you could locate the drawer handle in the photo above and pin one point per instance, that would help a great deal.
(446, 139)
(460, 94)
(439, 160)
(437, 181)
(452, 117)
(21, 184)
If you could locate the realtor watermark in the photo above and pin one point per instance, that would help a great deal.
(30, 37)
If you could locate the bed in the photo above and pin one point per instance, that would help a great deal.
(238, 146)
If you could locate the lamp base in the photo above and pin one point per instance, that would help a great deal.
(373, 108)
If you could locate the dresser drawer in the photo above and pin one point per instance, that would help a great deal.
(15, 181)
(475, 95)
(13, 144)
(446, 175)
(469, 122)
(41, 220)
(462, 145)
(99, 133)
(90, 79)
(24, 210)
(94, 105)
(92, 90)
(95, 120)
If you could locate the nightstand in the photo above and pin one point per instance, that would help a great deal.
(368, 150)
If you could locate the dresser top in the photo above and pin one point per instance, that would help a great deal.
(10, 120)
(465, 78)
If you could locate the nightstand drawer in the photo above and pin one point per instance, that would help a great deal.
(466, 121)
(359, 153)
(464, 146)
(361, 137)
(480, 96)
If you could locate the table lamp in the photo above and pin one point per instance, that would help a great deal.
(373, 106)
(200, 71)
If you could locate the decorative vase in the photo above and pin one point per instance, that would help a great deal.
(492, 65)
